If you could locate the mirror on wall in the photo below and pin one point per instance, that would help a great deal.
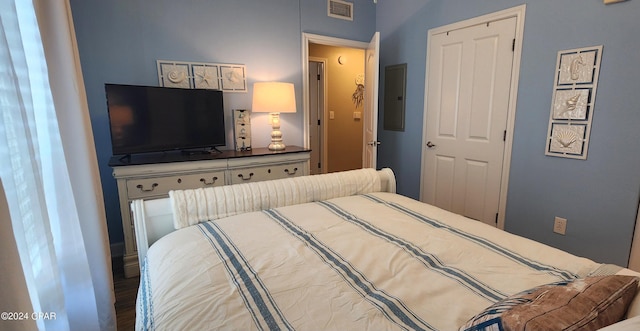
(395, 78)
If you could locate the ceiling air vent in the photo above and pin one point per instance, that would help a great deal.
(340, 9)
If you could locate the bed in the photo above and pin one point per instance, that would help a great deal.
(343, 251)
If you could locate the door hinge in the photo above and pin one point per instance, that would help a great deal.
(496, 218)
(319, 74)
(504, 135)
(513, 45)
(319, 166)
(318, 122)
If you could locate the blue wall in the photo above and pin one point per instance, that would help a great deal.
(120, 40)
(599, 196)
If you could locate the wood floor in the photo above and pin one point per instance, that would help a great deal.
(126, 290)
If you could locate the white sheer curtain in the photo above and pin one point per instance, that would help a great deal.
(49, 168)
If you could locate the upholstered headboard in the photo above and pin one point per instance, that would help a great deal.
(156, 218)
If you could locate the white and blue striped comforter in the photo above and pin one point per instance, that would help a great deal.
(379, 261)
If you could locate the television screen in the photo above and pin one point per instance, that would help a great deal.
(155, 119)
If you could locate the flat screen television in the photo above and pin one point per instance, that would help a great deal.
(146, 119)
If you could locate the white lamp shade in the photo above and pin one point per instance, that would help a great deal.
(273, 97)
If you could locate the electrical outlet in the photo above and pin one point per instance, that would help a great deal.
(560, 225)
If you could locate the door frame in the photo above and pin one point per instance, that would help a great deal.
(308, 38)
(519, 13)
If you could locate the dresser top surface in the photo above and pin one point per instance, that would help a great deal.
(178, 156)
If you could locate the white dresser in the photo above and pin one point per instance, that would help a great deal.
(153, 176)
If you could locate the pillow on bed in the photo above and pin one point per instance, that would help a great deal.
(582, 304)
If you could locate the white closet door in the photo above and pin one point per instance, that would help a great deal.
(469, 80)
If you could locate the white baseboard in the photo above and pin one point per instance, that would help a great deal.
(117, 249)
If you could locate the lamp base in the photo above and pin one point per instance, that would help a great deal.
(276, 134)
(276, 146)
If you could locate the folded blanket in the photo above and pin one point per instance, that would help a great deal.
(200, 205)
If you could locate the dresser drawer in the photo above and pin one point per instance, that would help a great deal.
(257, 174)
(160, 186)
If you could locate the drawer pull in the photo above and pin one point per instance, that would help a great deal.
(141, 187)
(213, 180)
(291, 173)
(246, 178)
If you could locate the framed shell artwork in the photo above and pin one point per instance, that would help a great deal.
(174, 75)
(572, 105)
(217, 76)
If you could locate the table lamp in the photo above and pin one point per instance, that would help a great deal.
(274, 98)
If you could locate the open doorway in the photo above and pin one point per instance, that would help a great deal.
(336, 95)
(317, 112)
(341, 111)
